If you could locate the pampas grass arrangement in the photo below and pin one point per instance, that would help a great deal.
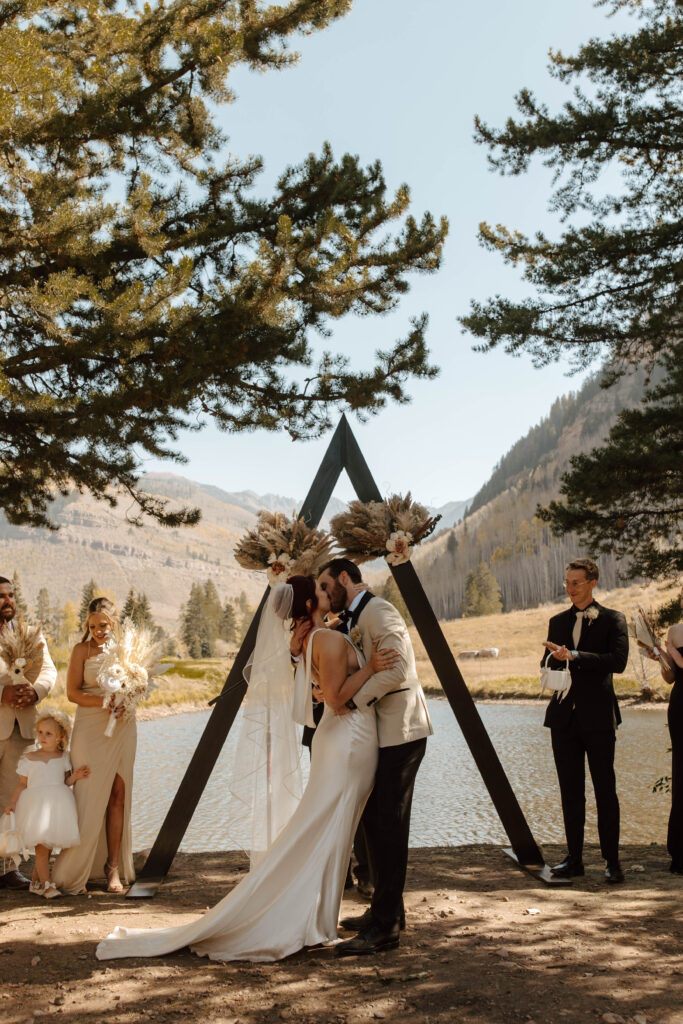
(382, 529)
(21, 649)
(283, 547)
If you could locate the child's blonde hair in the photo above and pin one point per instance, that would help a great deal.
(61, 720)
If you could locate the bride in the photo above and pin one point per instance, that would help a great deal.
(291, 897)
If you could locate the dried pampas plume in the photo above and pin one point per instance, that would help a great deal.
(283, 547)
(365, 530)
(23, 643)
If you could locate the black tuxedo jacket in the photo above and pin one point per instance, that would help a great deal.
(603, 650)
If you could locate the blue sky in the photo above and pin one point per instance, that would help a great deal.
(401, 80)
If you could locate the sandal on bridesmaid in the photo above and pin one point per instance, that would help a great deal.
(111, 872)
(50, 890)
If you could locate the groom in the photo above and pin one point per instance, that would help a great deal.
(403, 726)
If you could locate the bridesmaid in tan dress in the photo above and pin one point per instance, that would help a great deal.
(103, 800)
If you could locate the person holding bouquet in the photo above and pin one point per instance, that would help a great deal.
(671, 665)
(27, 674)
(103, 800)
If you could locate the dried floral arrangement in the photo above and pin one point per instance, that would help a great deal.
(382, 529)
(21, 649)
(643, 631)
(283, 547)
(129, 658)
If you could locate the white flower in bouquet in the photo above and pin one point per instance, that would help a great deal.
(278, 566)
(126, 663)
(398, 546)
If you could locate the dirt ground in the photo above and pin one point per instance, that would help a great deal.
(485, 944)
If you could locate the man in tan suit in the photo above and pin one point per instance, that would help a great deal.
(17, 715)
(403, 726)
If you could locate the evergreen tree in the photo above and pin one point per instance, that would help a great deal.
(470, 602)
(143, 614)
(89, 592)
(627, 497)
(482, 593)
(138, 611)
(22, 607)
(391, 593)
(191, 622)
(128, 610)
(212, 613)
(228, 626)
(612, 280)
(131, 237)
(43, 607)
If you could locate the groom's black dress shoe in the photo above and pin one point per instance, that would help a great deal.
(361, 922)
(13, 880)
(568, 868)
(613, 873)
(372, 940)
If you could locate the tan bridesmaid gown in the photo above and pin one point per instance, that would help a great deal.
(106, 757)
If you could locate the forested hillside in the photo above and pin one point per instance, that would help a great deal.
(500, 531)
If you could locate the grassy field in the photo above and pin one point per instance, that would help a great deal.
(513, 675)
(518, 636)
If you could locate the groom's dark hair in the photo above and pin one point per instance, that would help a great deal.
(340, 565)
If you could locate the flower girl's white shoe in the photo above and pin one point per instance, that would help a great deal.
(50, 890)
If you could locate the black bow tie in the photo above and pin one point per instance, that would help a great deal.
(344, 617)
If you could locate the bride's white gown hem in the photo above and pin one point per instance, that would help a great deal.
(291, 899)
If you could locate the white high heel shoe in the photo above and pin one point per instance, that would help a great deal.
(50, 890)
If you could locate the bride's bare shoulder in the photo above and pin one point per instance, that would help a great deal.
(327, 640)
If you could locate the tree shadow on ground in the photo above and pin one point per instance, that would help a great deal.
(473, 952)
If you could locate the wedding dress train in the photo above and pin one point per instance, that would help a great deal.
(291, 898)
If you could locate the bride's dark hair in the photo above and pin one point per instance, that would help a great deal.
(303, 588)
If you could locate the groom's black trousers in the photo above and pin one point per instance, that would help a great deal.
(386, 823)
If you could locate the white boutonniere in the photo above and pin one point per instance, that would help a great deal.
(591, 614)
(354, 636)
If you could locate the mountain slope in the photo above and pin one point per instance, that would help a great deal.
(500, 527)
(97, 542)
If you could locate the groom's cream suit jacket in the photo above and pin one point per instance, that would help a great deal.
(45, 680)
(401, 707)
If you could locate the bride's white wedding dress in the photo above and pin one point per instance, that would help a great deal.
(291, 899)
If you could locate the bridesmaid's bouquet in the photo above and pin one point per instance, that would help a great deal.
(644, 632)
(128, 660)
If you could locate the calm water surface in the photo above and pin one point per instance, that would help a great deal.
(451, 804)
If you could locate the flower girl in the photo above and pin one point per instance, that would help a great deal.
(45, 807)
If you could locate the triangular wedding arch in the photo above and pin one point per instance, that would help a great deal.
(343, 453)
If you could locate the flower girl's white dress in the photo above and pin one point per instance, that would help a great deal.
(46, 809)
(292, 898)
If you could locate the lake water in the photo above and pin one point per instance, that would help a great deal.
(451, 805)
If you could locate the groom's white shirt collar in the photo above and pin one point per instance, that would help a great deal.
(356, 601)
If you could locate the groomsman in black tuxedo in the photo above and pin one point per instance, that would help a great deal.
(593, 640)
